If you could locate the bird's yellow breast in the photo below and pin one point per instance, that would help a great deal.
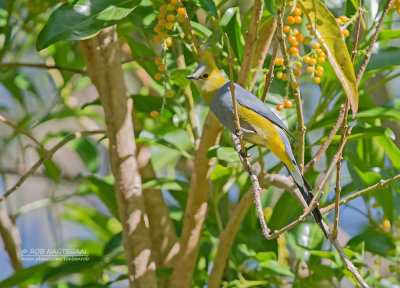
(266, 134)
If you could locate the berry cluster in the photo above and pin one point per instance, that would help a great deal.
(342, 21)
(169, 14)
(286, 104)
(395, 5)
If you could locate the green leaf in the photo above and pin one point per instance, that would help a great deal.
(219, 172)
(308, 235)
(265, 256)
(50, 168)
(102, 188)
(223, 153)
(209, 6)
(385, 199)
(375, 242)
(113, 247)
(390, 149)
(87, 151)
(83, 19)
(277, 268)
(281, 215)
(165, 183)
(27, 276)
(327, 29)
(386, 58)
(231, 24)
(388, 35)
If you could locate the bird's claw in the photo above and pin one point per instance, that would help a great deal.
(239, 133)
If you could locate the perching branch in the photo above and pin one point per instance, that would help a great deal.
(22, 131)
(46, 156)
(242, 150)
(301, 128)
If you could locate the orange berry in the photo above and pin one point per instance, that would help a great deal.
(169, 25)
(160, 16)
(170, 94)
(154, 113)
(162, 22)
(168, 41)
(316, 80)
(290, 20)
(321, 41)
(288, 103)
(312, 32)
(181, 11)
(339, 21)
(158, 61)
(297, 11)
(313, 61)
(161, 67)
(295, 32)
(264, 77)
(279, 75)
(170, 18)
(386, 225)
(164, 35)
(321, 59)
(170, 7)
(298, 64)
(163, 8)
(286, 29)
(279, 61)
(157, 38)
(308, 26)
(291, 4)
(320, 51)
(346, 33)
(296, 44)
(316, 45)
(310, 69)
(157, 29)
(344, 18)
(280, 107)
(157, 76)
(292, 39)
(320, 68)
(297, 72)
(319, 73)
(295, 85)
(175, 2)
(284, 77)
(300, 37)
(298, 19)
(294, 50)
(306, 59)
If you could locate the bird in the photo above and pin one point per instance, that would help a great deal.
(259, 125)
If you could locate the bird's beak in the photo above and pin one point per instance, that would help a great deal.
(193, 76)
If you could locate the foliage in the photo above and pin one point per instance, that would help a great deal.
(164, 124)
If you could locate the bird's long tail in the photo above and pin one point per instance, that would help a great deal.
(306, 192)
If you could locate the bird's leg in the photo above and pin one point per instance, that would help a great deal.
(239, 133)
(251, 146)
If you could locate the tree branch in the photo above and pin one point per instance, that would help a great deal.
(270, 74)
(373, 188)
(265, 35)
(102, 56)
(42, 66)
(46, 156)
(22, 131)
(251, 39)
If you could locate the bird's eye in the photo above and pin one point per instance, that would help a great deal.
(205, 75)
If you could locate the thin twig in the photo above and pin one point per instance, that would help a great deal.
(327, 142)
(371, 45)
(301, 128)
(338, 189)
(42, 66)
(22, 131)
(379, 185)
(192, 35)
(270, 74)
(46, 156)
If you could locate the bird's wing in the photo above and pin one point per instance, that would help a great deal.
(250, 101)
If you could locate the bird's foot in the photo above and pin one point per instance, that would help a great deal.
(239, 133)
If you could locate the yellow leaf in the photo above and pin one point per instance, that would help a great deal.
(330, 37)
